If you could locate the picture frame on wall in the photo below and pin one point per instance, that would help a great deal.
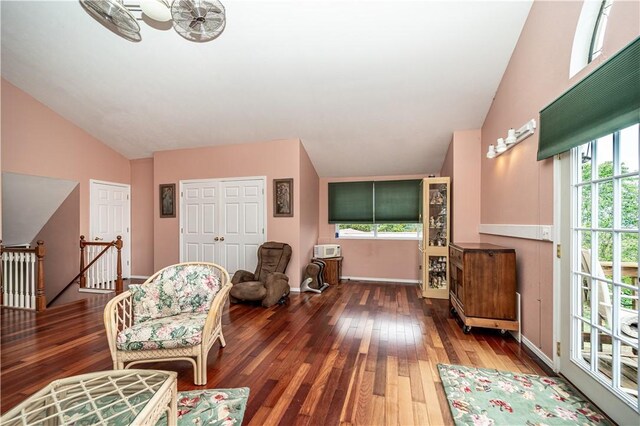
(283, 197)
(167, 200)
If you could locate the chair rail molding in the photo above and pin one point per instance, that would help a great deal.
(528, 232)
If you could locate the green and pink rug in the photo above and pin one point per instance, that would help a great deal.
(484, 397)
(215, 407)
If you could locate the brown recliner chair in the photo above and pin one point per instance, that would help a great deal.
(268, 284)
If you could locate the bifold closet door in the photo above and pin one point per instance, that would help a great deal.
(199, 217)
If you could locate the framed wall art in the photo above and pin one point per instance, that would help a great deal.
(168, 200)
(283, 197)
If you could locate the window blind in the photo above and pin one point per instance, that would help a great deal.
(605, 101)
(397, 201)
(351, 202)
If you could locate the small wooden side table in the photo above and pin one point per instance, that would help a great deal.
(333, 270)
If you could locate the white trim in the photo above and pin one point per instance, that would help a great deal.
(536, 350)
(127, 265)
(383, 280)
(294, 289)
(582, 36)
(139, 277)
(528, 232)
(557, 270)
(517, 334)
(94, 290)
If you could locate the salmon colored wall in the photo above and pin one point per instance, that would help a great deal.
(38, 141)
(466, 186)
(277, 159)
(60, 236)
(309, 199)
(376, 259)
(517, 189)
(142, 216)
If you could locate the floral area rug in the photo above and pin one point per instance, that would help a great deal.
(215, 407)
(482, 397)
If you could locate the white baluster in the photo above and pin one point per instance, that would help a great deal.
(33, 280)
(92, 269)
(10, 283)
(20, 275)
(101, 272)
(5, 263)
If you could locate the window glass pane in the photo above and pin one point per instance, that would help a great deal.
(605, 254)
(605, 204)
(584, 307)
(604, 147)
(600, 28)
(584, 165)
(604, 303)
(629, 145)
(628, 313)
(629, 258)
(585, 244)
(605, 356)
(584, 192)
(585, 341)
(437, 272)
(629, 370)
(629, 194)
(398, 230)
(355, 230)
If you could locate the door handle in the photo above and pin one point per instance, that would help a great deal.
(216, 239)
(98, 239)
(221, 238)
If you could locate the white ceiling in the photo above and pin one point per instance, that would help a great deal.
(371, 88)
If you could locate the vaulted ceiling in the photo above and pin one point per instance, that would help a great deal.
(370, 87)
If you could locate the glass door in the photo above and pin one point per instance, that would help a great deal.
(599, 307)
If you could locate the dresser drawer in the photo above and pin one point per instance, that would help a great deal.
(455, 256)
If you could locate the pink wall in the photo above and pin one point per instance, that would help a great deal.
(38, 141)
(376, 259)
(517, 189)
(277, 159)
(309, 198)
(142, 216)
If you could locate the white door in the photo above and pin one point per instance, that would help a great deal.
(198, 213)
(223, 221)
(599, 272)
(110, 216)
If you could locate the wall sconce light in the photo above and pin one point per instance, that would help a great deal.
(513, 138)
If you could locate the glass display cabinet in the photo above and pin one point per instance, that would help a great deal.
(435, 237)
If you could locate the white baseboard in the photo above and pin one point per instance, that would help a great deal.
(294, 289)
(518, 334)
(382, 280)
(140, 277)
(528, 232)
(536, 350)
(95, 290)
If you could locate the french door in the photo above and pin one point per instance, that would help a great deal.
(599, 271)
(222, 221)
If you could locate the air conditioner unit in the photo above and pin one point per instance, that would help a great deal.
(326, 250)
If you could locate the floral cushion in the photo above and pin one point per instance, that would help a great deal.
(154, 300)
(195, 285)
(178, 331)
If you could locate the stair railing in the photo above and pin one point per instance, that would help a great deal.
(104, 265)
(22, 277)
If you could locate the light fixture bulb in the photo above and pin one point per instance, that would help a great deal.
(491, 153)
(158, 10)
(501, 146)
(511, 137)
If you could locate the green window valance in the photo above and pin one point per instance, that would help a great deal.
(605, 101)
(395, 201)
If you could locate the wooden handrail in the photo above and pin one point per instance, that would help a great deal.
(40, 251)
(117, 243)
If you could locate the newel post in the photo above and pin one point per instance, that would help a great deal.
(41, 303)
(83, 279)
(119, 265)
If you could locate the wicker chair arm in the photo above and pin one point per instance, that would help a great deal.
(215, 312)
(118, 315)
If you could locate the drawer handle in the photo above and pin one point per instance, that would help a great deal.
(491, 253)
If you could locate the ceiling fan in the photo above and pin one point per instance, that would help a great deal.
(195, 20)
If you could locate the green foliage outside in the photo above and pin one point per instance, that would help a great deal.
(384, 227)
(629, 218)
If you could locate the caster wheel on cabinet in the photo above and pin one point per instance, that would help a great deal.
(466, 329)
(452, 311)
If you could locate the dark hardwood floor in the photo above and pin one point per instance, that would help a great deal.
(359, 353)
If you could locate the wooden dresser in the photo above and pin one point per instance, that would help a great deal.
(483, 285)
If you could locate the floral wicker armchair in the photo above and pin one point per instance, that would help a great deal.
(174, 315)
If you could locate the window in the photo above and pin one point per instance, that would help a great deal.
(392, 231)
(597, 38)
(604, 271)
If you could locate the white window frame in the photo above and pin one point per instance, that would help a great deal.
(375, 235)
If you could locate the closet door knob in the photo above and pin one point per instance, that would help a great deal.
(221, 238)
(216, 239)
